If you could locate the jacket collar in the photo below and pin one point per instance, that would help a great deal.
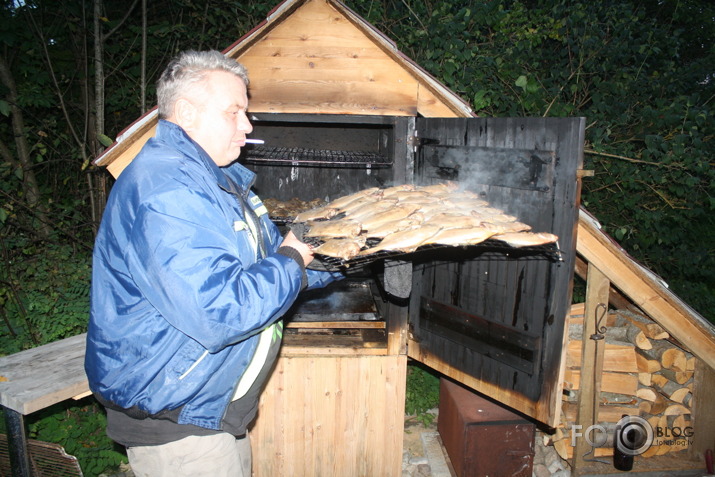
(174, 134)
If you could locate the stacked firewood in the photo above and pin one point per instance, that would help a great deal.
(645, 373)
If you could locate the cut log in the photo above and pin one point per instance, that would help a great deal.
(653, 421)
(616, 399)
(671, 390)
(647, 394)
(646, 365)
(681, 395)
(675, 409)
(680, 444)
(660, 446)
(651, 451)
(619, 383)
(636, 336)
(669, 355)
(664, 448)
(658, 379)
(577, 313)
(561, 447)
(680, 377)
(690, 366)
(677, 423)
(617, 357)
(659, 405)
(605, 413)
(649, 328)
(645, 379)
(613, 335)
(679, 426)
(675, 359)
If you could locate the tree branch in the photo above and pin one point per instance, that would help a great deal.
(629, 159)
(124, 18)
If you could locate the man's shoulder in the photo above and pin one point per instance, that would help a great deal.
(159, 164)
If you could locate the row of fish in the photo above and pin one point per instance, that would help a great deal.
(406, 217)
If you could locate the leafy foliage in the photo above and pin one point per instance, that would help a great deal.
(422, 393)
(44, 292)
(80, 428)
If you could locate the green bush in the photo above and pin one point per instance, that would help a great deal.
(44, 293)
(422, 393)
(80, 428)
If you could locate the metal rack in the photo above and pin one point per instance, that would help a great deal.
(315, 157)
(497, 248)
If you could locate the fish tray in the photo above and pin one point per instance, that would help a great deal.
(495, 249)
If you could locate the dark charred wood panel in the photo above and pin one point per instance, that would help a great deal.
(527, 167)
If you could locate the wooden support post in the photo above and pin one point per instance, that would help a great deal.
(591, 363)
(703, 410)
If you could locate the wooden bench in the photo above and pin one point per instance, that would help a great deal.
(36, 379)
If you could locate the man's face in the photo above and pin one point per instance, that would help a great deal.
(218, 122)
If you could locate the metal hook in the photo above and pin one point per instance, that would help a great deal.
(600, 330)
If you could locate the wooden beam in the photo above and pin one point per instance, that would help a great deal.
(591, 360)
(646, 290)
(703, 409)
(615, 297)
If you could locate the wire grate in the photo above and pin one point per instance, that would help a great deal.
(315, 157)
(435, 251)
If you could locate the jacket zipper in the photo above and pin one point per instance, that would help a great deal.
(196, 363)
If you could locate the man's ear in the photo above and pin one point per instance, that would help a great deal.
(185, 114)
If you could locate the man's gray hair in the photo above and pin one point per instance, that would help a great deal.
(188, 68)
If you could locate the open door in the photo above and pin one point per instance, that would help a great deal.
(494, 320)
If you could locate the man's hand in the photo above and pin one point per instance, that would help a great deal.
(290, 240)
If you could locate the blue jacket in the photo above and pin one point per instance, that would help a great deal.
(178, 293)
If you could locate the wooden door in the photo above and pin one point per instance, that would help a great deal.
(494, 319)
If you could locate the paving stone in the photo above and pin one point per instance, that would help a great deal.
(435, 455)
(540, 470)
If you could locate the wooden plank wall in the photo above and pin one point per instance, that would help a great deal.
(331, 415)
(317, 61)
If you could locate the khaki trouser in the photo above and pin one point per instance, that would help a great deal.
(219, 455)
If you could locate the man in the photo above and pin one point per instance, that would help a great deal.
(190, 279)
